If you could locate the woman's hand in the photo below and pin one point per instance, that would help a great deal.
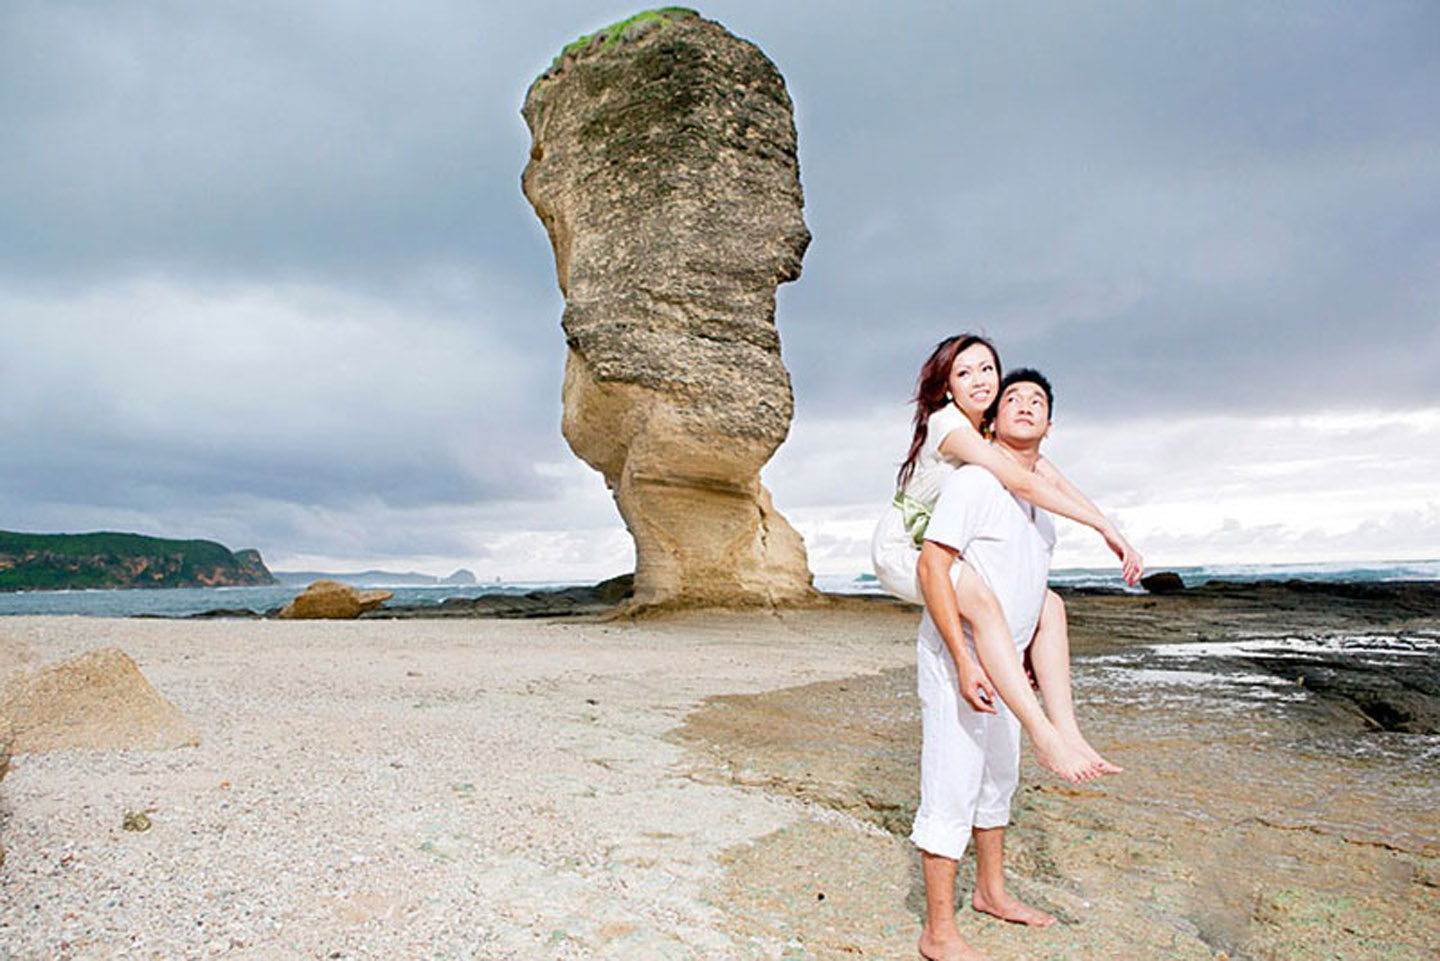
(1132, 565)
(975, 686)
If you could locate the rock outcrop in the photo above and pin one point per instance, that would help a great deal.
(7, 738)
(98, 700)
(110, 560)
(334, 601)
(15, 656)
(1163, 582)
(664, 167)
(599, 599)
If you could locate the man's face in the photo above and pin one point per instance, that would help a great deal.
(1024, 414)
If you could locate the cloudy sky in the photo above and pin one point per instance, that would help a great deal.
(267, 276)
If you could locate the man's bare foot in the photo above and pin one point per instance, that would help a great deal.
(1077, 741)
(951, 948)
(1008, 908)
(1062, 759)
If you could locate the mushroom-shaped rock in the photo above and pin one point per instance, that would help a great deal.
(664, 167)
(332, 600)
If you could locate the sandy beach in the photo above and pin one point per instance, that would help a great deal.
(713, 785)
(483, 789)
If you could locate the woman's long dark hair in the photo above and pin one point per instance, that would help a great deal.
(931, 388)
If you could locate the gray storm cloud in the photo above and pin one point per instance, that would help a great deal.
(279, 252)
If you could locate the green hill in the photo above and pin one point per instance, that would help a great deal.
(112, 560)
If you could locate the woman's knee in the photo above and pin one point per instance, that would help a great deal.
(972, 592)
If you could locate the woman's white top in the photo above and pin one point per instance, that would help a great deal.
(893, 549)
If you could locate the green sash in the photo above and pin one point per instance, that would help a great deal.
(916, 516)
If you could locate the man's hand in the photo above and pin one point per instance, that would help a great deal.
(1132, 565)
(975, 686)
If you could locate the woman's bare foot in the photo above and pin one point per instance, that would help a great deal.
(1077, 741)
(1008, 908)
(1064, 760)
(947, 949)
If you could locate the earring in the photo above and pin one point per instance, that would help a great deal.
(948, 398)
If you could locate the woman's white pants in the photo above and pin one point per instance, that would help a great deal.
(969, 761)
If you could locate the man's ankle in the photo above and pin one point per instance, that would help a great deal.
(946, 930)
(989, 892)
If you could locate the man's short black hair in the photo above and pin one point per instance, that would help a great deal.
(1022, 375)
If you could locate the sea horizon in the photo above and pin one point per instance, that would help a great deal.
(183, 601)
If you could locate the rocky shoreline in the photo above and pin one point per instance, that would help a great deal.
(1104, 620)
(1275, 804)
(1098, 615)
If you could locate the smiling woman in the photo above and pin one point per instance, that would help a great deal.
(954, 402)
(1193, 490)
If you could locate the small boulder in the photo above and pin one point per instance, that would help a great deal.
(334, 601)
(7, 739)
(98, 700)
(1163, 582)
(7, 736)
(15, 656)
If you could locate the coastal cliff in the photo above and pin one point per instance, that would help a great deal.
(113, 560)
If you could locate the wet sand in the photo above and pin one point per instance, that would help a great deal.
(1246, 825)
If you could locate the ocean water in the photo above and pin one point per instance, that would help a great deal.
(1330, 571)
(182, 601)
(1261, 668)
(1251, 682)
(178, 602)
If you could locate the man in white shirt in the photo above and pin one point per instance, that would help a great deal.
(970, 753)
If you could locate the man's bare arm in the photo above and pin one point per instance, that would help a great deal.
(933, 572)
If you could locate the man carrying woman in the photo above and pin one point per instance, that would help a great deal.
(985, 557)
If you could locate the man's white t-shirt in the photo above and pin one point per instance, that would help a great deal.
(1007, 540)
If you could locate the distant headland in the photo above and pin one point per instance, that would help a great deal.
(377, 578)
(110, 560)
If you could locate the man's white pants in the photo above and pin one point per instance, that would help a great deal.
(969, 761)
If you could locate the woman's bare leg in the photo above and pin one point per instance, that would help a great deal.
(995, 649)
(1050, 659)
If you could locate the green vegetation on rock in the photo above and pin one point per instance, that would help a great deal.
(612, 34)
(114, 560)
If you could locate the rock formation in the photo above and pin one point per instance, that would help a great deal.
(332, 600)
(98, 700)
(15, 655)
(108, 559)
(1163, 582)
(7, 738)
(664, 167)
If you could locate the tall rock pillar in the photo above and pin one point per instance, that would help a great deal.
(663, 165)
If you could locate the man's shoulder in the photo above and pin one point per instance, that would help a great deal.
(972, 479)
(967, 507)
